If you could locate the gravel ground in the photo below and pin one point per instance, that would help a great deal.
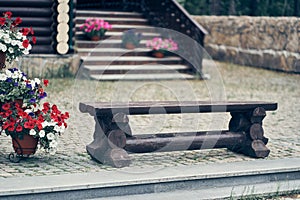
(228, 82)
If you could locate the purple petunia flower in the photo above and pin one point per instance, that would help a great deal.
(32, 100)
(28, 86)
(43, 95)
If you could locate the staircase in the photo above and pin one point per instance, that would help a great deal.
(106, 60)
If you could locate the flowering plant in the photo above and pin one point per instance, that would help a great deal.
(14, 85)
(160, 44)
(45, 123)
(95, 27)
(14, 41)
(131, 37)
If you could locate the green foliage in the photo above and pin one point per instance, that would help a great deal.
(242, 7)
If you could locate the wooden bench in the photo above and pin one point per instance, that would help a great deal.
(113, 139)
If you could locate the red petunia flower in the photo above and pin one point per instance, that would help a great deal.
(19, 128)
(6, 106)
(25, 43)
(29, 125)
(11, 127)
(46, 82)
(33, 39)
(5, 125)
(31, 30)
(17, 21)
(2, 21)
(25, 31)
(8, 14)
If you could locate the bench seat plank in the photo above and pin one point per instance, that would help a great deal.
(173, 107)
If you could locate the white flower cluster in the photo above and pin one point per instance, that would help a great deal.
(16, 74)
(12, 44)
(52, 137)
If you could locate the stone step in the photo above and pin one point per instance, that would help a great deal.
(199, 181)
(97, 13)
(116, 20)
(113, 52)
(129, 60)
(134, 69)
(105, 43)
(125, 27)
(116, 35)
(133, 77)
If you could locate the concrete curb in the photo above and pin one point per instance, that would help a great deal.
(131, 181)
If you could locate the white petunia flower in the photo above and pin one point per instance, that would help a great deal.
(53, 144)
(10, 50)
(7, 40)
(3, 47)
(50, 136)
(14, 42)
(32, 132)
(8, 73)
(3, 77)
(38, 81)
(52, 151)
(42, 133)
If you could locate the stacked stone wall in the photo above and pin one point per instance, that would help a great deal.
(267, 42)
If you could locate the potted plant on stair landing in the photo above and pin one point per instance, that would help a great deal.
(161, 46)
(95, 29)
(131, 39)
(14, 42)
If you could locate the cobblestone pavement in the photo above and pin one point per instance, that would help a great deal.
(238, 83)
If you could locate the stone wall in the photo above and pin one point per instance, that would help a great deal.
(268, 42)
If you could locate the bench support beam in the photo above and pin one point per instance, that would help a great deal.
(251, 123)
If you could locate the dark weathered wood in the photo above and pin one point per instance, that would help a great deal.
(120, 118)
(24, 3)
(37, 21)
(47, 49)
(173, 107)
(258, 115)
(117, 138)
(239, 122)
(105, 149)
(256, 132)
(183, 141)
(116, 157)
(28, 11)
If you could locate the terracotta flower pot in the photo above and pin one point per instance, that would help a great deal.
(95, 38)
(2, 59)
(129, 46)
(26, 146)
(158, 54)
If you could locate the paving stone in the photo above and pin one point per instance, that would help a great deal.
(240, 83)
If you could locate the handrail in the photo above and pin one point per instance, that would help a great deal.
(188, 16)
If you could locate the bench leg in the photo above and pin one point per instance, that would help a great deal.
(107, 147)
(251, 124)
